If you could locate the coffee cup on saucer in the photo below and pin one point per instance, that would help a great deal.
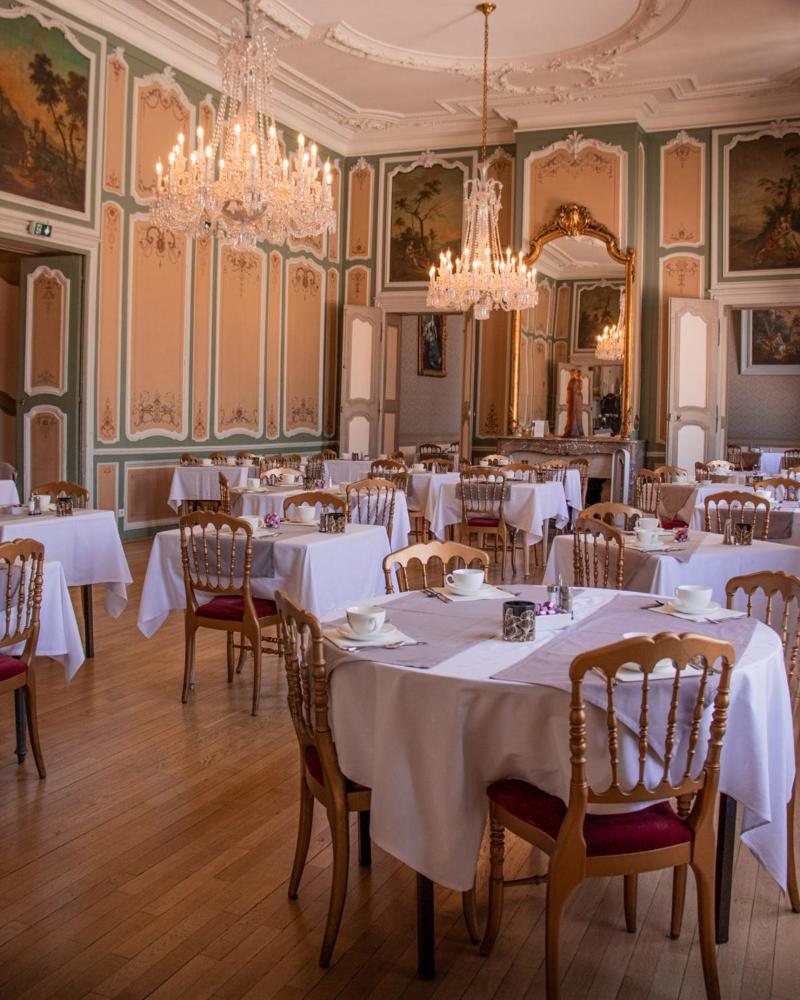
(252, 519)
(693, 596)
(649, 523)
(365, 619)
(646, 536)
(465, 582)
(230, 460)
(286, 477)
(206, 461)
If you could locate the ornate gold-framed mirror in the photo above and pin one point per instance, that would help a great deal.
(588, 245)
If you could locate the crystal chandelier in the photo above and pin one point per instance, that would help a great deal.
(483, 277)
(610, 344)
(241, 187)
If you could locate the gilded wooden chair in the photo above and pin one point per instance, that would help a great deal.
(398, 478)
(791, 458)
(217, 557)
(791, 487)
(327, 501)
(552, 471)
(584, 845)
(270, 462)
(495, 459)
(371, 501)
(735, 505)
(735, 455)
(621, 515)
(597, 548)
(397, 456)
(431, 451)
(439, 463)
(328, 455)
(792, 470)
(382, 465)
(702, 472)
(187, 459)
(248, 458)
(294, 460)
(647, 491)
(780, 589)
(482, 513)
(582, 465)
(218, 458)
(429, 564)
(523, 472)
(21, 568)
(671, 473)
(272, 477)
(315, 468)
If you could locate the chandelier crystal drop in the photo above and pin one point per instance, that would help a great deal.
(242, 186)
(610, 344)
(483, 278)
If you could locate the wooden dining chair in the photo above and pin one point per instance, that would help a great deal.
(582, 465)
(247, 458)
(430, 563)
(294, 460)
(382, 465)
(621, 515)
(398, 477)
(431, 451)
(779, 608)
(483, 513)
(270, 462)
(791, 487)
(552, 471)
(328, 455)
(327, 501)
(671, 473)
(21, 570)
(735, 455)
(523, 472)
(187, 459)
(647, 491)
(438, 463)
(791, 458)
(217, 559)
(495, 459)
(272, 477)
(596, 548)
(702, 472)
(733, 505)
(371, 501)
(315, 468)
(218, 458)
(583, 845)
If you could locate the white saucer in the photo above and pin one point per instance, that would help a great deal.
(700, 613)
(475, 593)
(386, 631)
(303, 524)
(650, 547)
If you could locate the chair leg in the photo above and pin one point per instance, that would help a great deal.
(33, 728)
(340, 838)
(631, 884)
(559, 889)
(256, 643)
(706, 930)
(303, 836)
(678, 898)
(242, 654)
(88, 619)
(791, 875)
(470, 914)
(188, 669)
(364, 841)
(230, 653)
(496, 858)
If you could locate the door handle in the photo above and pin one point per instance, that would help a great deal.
(22, 403)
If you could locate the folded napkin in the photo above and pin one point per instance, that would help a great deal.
(715, 614)
(485, 594)
(345, 642)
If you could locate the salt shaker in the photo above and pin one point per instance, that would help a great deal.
(565, 599)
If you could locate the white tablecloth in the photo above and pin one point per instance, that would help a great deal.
(88, 546)
(527, 508)
(429, 742)
(59, 636)
(201, 482)
(699, 517)
(695, 494)
(770, 462)
(344, 470)
(8, 492)
(319, 571)
(713, 564)
(270, 501)
(424, 488)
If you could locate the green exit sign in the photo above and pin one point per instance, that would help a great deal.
(40, 229)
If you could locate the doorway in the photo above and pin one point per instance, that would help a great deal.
(41, 301)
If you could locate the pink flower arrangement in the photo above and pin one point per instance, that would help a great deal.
(272, 520)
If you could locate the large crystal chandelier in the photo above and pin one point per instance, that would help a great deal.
(483, 277)
(610, 344)
(241, 186)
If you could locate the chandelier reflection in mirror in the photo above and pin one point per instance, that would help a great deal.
(483, 277)
(241, 187)
(610, 344)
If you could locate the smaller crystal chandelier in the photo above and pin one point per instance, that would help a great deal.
(483, 277)
(610, 344)
(242, 187)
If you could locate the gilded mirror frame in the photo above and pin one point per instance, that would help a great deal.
(576, 220)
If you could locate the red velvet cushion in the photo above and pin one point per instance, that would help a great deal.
(230, 608)
(669, 523)
(10, 666)
(483, 522)
(647, 829)
(314, 765)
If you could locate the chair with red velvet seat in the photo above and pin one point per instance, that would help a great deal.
(482, 512)
(217, 556)
(21, 564)
(582, 845)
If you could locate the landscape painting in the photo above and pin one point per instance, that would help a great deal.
(771, 341)
(44, 106)
(596, 306)
(425, 205)
(764, 204)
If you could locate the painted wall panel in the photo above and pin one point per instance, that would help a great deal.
(109, 323)
(201, 341)
(357, 286)
(561, 325)
(359, 211)
(106, 489)
(146, 492)
(161, 112)
(47, 316)
(45, 435)
(303, 346)
(493, 367)
(331, 350)
(274, 326)
(334, 237)
(116, 123)
(682, 192)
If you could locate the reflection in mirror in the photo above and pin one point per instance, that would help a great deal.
(581, 295)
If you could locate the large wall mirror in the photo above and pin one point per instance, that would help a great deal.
(585, 287)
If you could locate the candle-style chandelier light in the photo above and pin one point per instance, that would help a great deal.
(242, 187)
(610, 344)
(483, 277)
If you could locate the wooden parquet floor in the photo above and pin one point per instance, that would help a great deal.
(153, 862)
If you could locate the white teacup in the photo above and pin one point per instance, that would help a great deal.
(766, 494)
(418, 467)
(252, 519)
(465, 581)
(484, 463)
(286, 477)
(206, 461)
(253, 482)
(365, 619)
(693, 596)
(230, 460)
(650, 523)
(305, 513)
(646, 536)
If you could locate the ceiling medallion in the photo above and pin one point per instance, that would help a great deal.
(243, 187)
(482, 278)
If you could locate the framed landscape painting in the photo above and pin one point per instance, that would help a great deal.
(763, 204)
(596, 305)
(771, 341)
(432, 345)
(425, 216)
(44, 114)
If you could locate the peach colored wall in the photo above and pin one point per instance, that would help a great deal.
(561, 324)
(593, 178)
(160, 114)
(45, 446)
(9, 351)
(303, 337)
(116, 124)
(357, 286)
(331, 349)
(336, 191)
(493, 361)
(201, 341)
(274, 325)
(146, 493)
(682, 183)
(46, 331)
(240, 358)
(359, 215)
(108, 323)
(106, 497)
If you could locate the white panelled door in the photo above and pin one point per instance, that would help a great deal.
(390, 404)
(359, 423)
(693, 421)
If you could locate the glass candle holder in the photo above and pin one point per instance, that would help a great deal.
(519, 621)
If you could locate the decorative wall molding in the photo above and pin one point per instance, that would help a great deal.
(360, 198)
(47, 306)
(303, 397)
(676, 168)
(159, 89)
(116, 122)
(357, 285)
(109, 323)
(45, 420)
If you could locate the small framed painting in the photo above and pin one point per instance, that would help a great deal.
(770, 341)
(432, 339)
